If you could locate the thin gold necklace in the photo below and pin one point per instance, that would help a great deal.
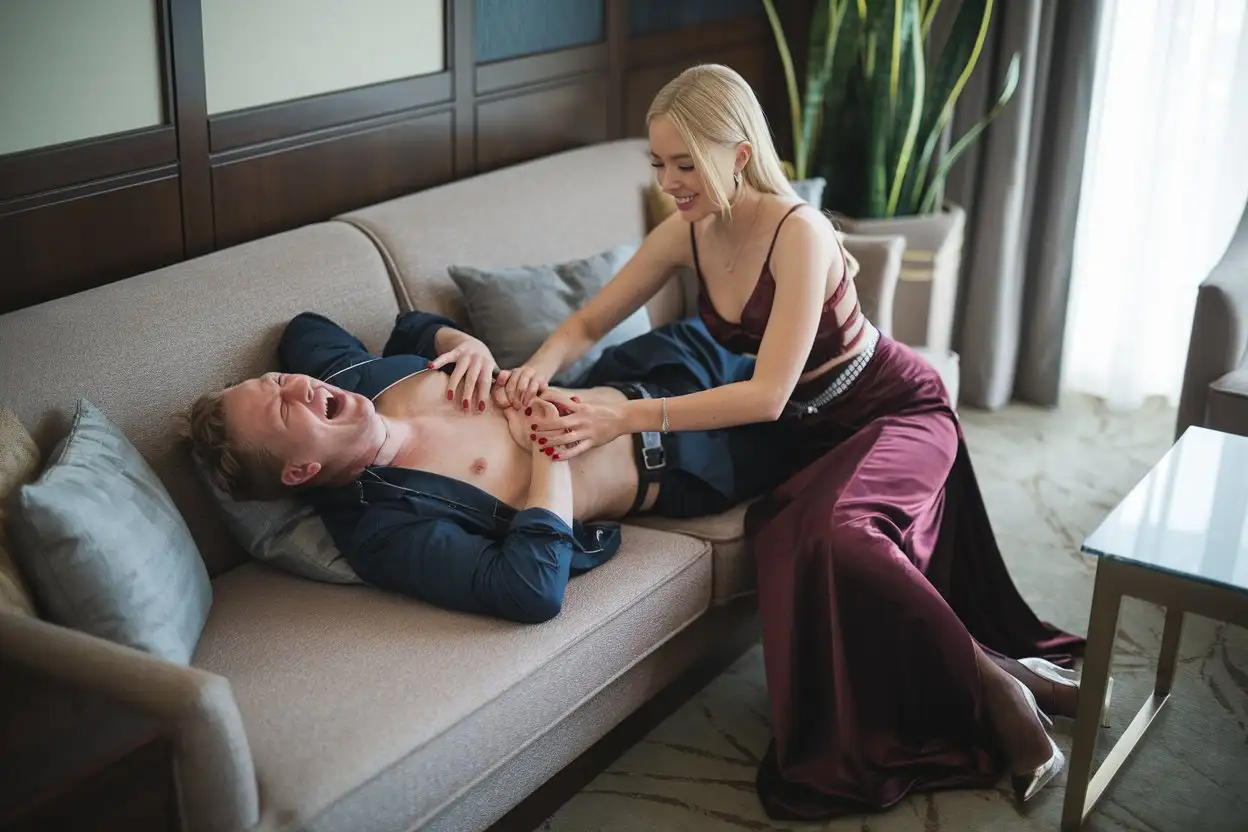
(732, 263)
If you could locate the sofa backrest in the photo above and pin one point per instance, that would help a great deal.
(146, 347)
(557, 208)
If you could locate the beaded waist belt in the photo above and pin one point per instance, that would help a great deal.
(841, 381)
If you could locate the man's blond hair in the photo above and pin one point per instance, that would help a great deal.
(241, 471)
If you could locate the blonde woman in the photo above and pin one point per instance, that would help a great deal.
(888, 613)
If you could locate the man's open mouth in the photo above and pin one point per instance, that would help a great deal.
(332, 406)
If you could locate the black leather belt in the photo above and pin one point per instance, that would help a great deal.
(647, 447)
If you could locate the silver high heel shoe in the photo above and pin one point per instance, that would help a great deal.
(1061, 676)
(1027, 785)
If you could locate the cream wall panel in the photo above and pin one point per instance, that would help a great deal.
(76, 69)
(264, 51)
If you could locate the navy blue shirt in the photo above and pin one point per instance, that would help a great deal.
(449, 543)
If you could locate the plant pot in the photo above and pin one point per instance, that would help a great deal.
(927, 291)
(811, 190)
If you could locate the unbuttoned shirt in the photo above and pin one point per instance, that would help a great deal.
(426, 535)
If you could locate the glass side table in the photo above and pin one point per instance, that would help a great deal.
(1180, 540)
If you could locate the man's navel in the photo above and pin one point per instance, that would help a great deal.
(478, 465)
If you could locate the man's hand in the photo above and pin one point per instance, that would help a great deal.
(470, 382)
(580, 426)
(522, 385)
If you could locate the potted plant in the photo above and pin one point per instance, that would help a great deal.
(872, 121)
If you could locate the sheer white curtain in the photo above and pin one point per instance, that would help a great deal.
(1164, 185)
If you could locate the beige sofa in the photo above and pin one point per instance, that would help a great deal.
(326, 707)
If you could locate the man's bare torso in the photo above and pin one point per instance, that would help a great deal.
(478, 448)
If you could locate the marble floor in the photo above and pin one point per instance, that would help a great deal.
(1048, 477)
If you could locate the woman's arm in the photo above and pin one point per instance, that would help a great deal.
(664, 248)
(801, 262)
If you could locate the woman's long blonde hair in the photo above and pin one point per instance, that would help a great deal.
(712, 104)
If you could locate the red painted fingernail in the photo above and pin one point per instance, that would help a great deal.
(576, 399)
(548, 451)
(450, 395)
(528, 411)
(532, 427)
(532, 435)
(542, 441)
(430, 363)
(555, 456)
(480, 405)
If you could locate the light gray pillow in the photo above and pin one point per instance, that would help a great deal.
(513, 310)
(811, 190)
(106, 549)
(286, 534)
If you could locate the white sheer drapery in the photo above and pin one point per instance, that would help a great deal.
(1164, 184)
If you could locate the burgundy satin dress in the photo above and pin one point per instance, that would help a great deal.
(877, 569)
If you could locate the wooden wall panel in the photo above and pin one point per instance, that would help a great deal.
(65, 247)
(266, 193)
(89, 212)
(641, 85)
(535, 124)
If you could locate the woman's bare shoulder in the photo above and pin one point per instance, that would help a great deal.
(806, 237)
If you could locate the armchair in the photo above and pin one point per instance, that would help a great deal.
(1215, 379)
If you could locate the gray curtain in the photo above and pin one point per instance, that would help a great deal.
(1020, 186)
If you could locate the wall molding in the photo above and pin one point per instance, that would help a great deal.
(257, 125)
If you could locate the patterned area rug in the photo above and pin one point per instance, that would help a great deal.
(1048, 478)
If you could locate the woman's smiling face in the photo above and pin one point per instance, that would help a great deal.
(677, 174)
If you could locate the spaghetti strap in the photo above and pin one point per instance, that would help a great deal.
(693, 240)
(776, 236)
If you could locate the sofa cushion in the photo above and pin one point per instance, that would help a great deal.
(1226, 408)
(19, 464)
(106, 549)
(553, 209)
(368, 710)
(144, 348)
(514, 310)
(733, 571)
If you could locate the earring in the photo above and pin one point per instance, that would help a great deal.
(736, 178)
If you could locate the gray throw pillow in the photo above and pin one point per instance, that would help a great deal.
(513, 310)
(811, 190)
(106, 549)
(286, 534)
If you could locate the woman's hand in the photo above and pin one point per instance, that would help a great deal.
(519, 387)
(474, 373)
(580, 426)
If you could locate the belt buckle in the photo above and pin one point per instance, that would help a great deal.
(656, 453)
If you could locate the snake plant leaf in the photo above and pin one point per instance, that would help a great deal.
(836, 84)
(825, 31)
(790, 79)
(887, 124)
(911, 83)
(929, 14)
(961, 146)
(957, 61)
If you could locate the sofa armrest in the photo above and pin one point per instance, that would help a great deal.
(1219, 339)
(213, 766)
(1226, 407)
(879, 270)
